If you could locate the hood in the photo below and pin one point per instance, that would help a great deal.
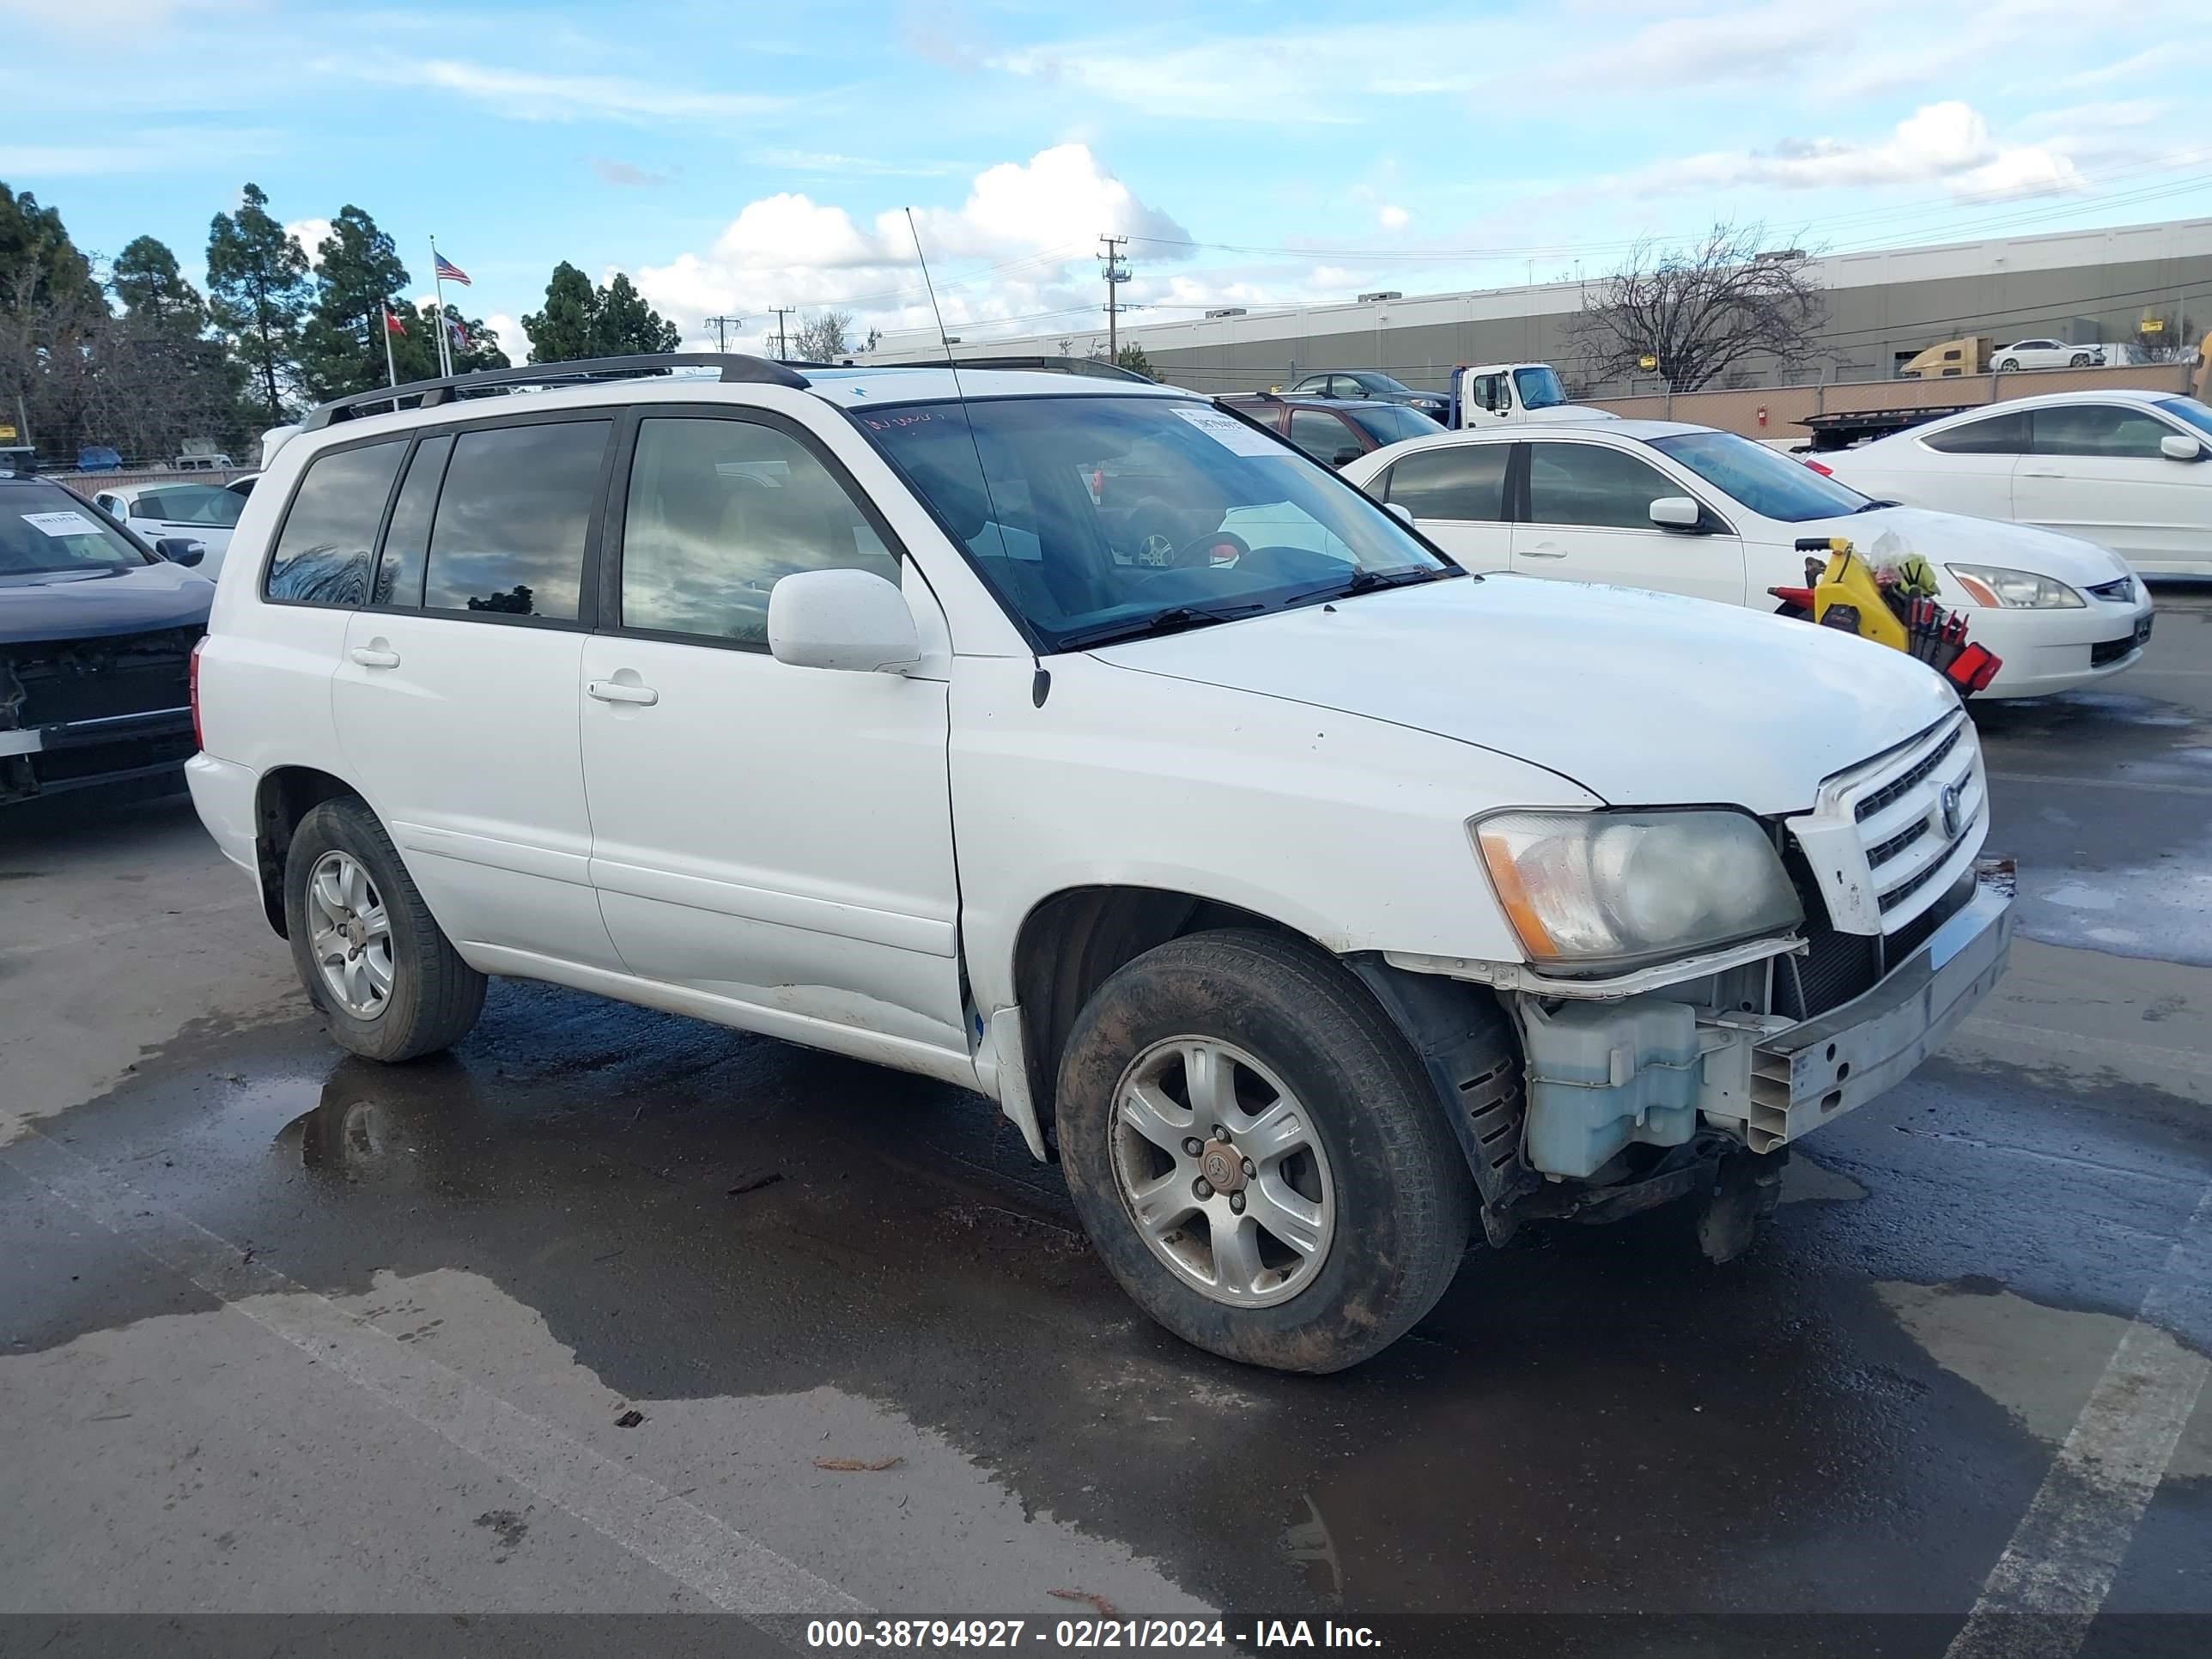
(1941, 537)
(71, 606)
(1643, 699)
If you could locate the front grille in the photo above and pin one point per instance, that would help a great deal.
(1905, 782)
(2122, 591)
(1835, 968)
(1904, 890)
(61, 681)
(1883, 852)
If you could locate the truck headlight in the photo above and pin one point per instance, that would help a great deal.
(1615, 889)
(2014, 590)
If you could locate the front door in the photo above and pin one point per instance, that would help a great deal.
(1456, 493)
(1588, 519)
(774, 837)
(2096, 470)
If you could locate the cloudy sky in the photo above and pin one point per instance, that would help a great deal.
(736, 157)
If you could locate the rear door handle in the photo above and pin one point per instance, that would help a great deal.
(2040, 472)
(615, 691)
(370, 657)
(1546, 550)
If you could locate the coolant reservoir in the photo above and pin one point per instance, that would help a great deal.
(1602, 1074)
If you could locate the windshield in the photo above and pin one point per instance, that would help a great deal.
(2188, 408)
(1773, 486)
(1539, 387)
(1389, 423)
(189, 504)
(1102, 517)
(44, 529)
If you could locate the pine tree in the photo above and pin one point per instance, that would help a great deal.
(153, 291)
(257, 289)
(625, 326)
(360, 269)
(563, 332)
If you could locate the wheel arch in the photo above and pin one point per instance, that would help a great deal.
(285, 795)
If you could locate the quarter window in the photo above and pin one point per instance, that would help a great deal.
(2107, 429)
(2000, 434)
(322, 553)
(719, 512)
(513, 518)
(1589, 484)
(1465, 482)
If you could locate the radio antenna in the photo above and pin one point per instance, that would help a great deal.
(1040, 682)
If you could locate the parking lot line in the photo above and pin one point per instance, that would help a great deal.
(2048, 1586)
(732, 1570)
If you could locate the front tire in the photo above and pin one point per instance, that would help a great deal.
(1326, 1206)
(388, 982)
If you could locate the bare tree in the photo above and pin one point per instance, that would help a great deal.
(823, 339)
(1690, 315)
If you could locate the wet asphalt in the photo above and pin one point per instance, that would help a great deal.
(777, 1257)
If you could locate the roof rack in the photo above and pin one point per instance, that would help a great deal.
(735, 367)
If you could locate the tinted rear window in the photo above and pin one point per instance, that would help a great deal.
(1452, 481)
(512, 520)
(2000, 434)
(323, 552)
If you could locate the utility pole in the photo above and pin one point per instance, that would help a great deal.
(722, 325)
(782, 341)
(1116, 274)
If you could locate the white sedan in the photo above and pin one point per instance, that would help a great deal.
(2123, 469)
(2046, 354)
(1685, 509)
(202, 512)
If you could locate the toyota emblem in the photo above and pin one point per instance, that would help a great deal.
(1950, 804)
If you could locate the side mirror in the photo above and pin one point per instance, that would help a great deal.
(2178, 447)
(847, 619)
(181, 550)
(1677, 513)
(1346, 456)
(1401, 512)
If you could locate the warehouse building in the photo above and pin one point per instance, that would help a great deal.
(1884, 307)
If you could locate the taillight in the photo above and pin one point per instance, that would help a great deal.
(199, 737)
(1825, 471)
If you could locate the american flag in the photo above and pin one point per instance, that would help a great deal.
(450, 272)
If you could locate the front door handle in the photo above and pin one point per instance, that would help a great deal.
(616, 691)
(369, 656)
(2040, 472)
(1546, 550)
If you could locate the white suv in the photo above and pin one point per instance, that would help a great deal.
(1309, 899)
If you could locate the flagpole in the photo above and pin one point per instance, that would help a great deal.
(391, 368)
(445, 361)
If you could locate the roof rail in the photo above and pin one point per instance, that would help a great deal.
(735, 367)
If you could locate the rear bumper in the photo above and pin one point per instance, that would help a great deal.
(223, 794)
(52, 759)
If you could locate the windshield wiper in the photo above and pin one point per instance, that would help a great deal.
(1173, 620)
(1371, 581)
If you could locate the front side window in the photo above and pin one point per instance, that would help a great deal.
(193, 504)
(1321, 436)
(2113, 431)
(1773, 486)
(44, 529)
(1195, 519)
(512, 521)
(1592, 485)
(322, 553)
(1999, 434)
(1463, 482)
(719, 511)
(1390, 424)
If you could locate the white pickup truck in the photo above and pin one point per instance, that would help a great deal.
(1508, 394)
(1316, 903)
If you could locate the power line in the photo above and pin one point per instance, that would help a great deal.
(783, 344)
(722, 325)
(1116, 274)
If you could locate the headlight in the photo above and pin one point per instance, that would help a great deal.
(2014, 590)
(1613, 890)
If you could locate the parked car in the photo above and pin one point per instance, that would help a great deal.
(1685, 509)
(242, 486)
(2125, 469)
(2046, 354)
(1369, 384)
(95, 634)
(209, 461)
(1336, 430)
(1312, 898)
(206, 513)
(97, 457)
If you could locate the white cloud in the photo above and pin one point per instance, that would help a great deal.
(1036, 223)
(309, 234)
(511, 340)
(529, 96)
(1392, 217)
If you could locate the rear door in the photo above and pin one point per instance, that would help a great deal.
(1588, 519)
(1457, 494)
(456, 699)
(2096, 470)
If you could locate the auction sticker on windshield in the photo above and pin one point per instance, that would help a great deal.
(1229, 432)
(59, 525)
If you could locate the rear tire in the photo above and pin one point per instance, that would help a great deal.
(388, 982)
(2010, 365)
(1377, 1185)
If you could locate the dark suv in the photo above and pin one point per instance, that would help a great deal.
(1336, 430)
(1369, 384)
(97, 635)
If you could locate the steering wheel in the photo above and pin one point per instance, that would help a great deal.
(1200, 551)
